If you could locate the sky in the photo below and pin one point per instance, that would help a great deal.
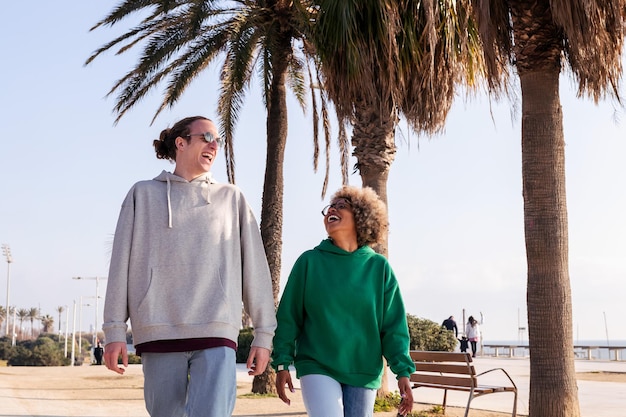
(456, 238)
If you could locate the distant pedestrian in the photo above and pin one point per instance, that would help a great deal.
(464, 344)
(472, 331)
(98, 352)
(450, 324)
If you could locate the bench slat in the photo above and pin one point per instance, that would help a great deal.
(427, 356)
(443, 380)
(477, 390)
(462, 369)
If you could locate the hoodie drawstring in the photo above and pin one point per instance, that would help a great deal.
(169, 203)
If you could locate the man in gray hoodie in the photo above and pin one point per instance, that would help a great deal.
(187, 252)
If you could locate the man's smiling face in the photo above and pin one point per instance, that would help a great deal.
(195, 155)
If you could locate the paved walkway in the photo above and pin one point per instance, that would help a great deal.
(101, 396)
(596, 398)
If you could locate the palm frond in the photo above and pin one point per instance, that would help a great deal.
(356, 43)
(297, 81)
(316, 119)
(129, 7)
(140, 32)
(235, 77)
(189, 65)
(594, 33)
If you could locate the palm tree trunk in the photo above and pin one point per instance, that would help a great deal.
(553, 389)
(272, 207)
(373, 138)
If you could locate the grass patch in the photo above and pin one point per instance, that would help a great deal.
(437, 410)
(3, 362)
(392, 400)
(389, 402)
(252, 395)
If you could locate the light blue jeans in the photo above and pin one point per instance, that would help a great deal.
(190, 384)
(325, 397)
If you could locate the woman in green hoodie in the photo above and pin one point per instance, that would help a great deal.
(341, 312)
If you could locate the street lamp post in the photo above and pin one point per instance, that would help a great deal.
(73, 334)
(80, 329)
(66, 325)
(6, 251)
(97, 279)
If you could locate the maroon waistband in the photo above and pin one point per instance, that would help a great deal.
(184, 345)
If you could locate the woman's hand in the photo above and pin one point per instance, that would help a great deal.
(284, 378)
(406, 405)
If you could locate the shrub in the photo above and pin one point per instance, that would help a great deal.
(428, 335)
(5, 347)
(244, 341)
(134, 359)
(44, 351)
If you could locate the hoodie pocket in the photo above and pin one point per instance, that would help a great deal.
(184, 294)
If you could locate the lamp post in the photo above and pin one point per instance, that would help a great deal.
(73, 334)
(80, 329)
(97, 279)
(6, 251)
(66, 325)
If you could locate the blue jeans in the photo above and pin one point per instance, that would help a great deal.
(190, 384)
(325, 397)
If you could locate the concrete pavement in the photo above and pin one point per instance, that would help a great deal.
(596, 398)
(44, 392)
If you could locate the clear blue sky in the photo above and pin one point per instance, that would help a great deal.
(456, 239)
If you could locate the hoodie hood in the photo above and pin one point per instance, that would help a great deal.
(327, 245)
(202, 181)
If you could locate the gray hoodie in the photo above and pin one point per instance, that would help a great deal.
(185, 256)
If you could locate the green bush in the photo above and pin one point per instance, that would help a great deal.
(134, 359)
(244, 341)
(5, 348)
(428, 335)
(43, 351)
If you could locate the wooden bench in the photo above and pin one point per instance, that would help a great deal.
(455, 371)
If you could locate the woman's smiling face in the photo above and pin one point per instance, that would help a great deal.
(338, 217)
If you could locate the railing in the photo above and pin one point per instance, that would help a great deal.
(614, 353)
(589, 352)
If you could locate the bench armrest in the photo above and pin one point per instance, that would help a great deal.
(505, 373)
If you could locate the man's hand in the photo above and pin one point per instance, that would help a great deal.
(112, 352)
(284, 378)
(406, 405)
(257, 360)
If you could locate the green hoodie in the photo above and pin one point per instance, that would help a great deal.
(339, 314)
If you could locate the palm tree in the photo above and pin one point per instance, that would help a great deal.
(47, 323)
(379, 60)
(181, 39)
(60, 310)
(11, 314)
(538, 36)
(22, 314)
(33, 314)
(383, 59)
